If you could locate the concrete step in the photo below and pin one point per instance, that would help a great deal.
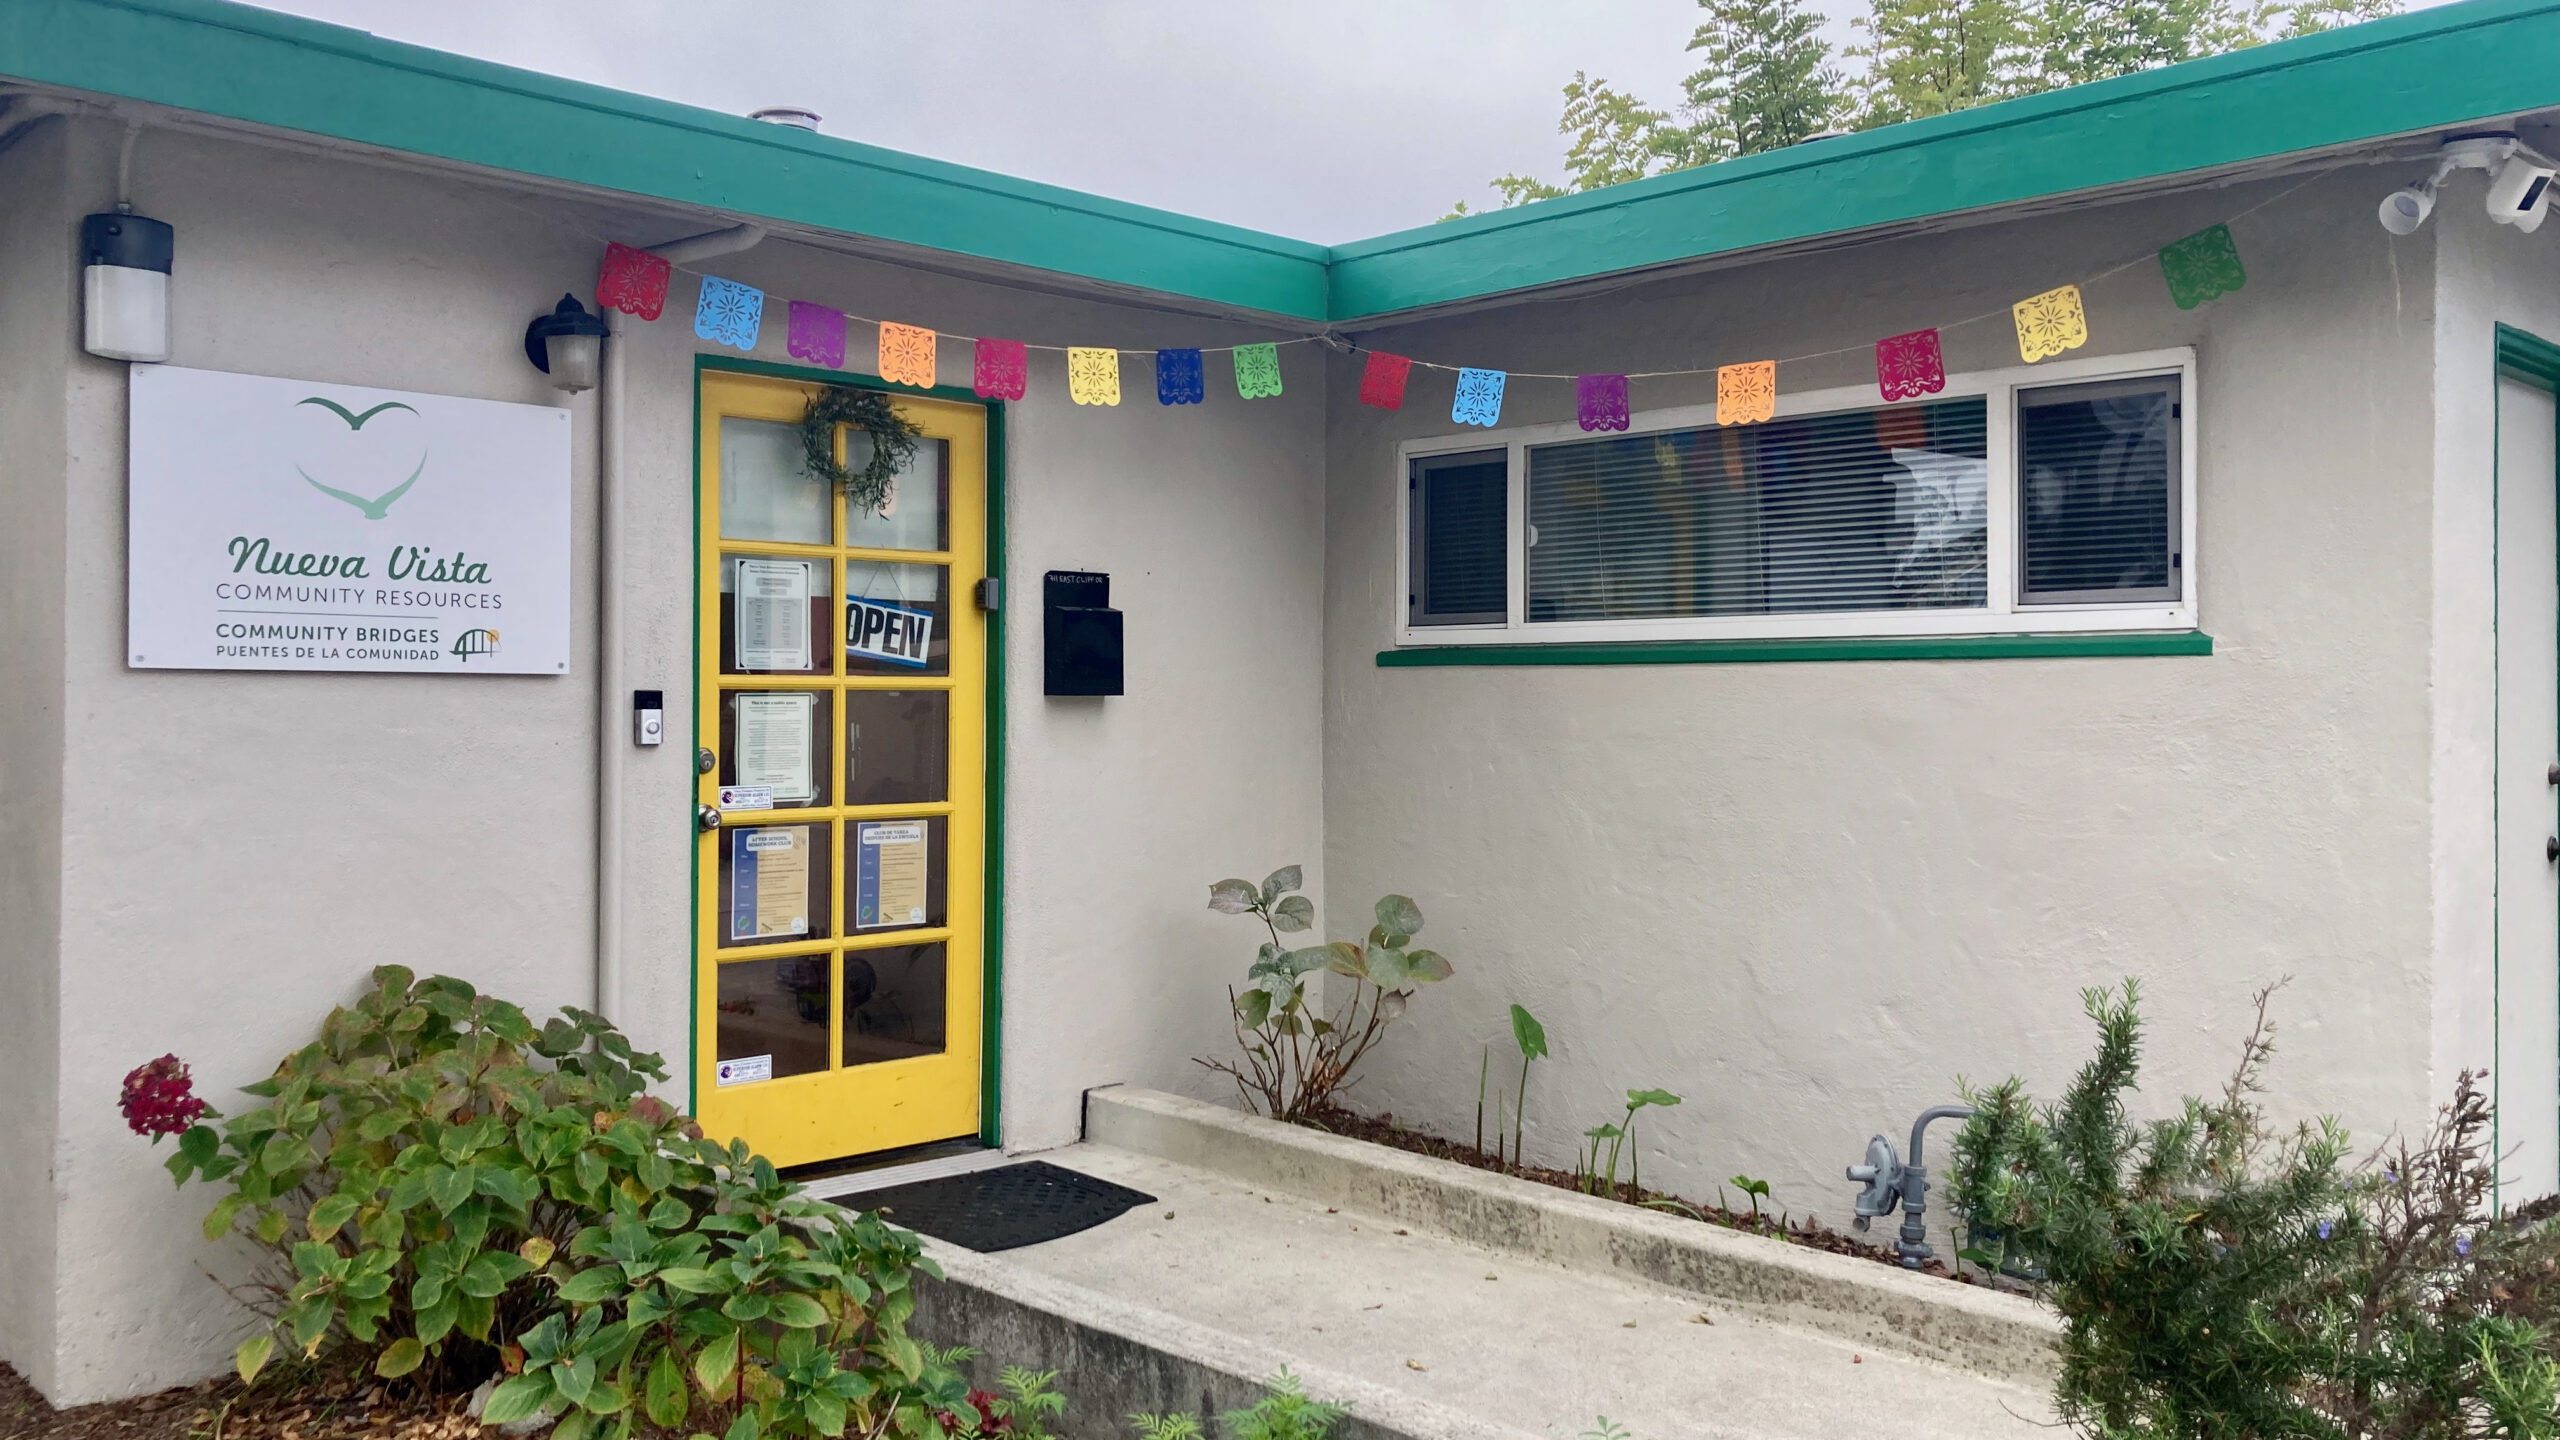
(1444, 1303)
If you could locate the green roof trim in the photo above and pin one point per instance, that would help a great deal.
(2435, 69)
(258, 66)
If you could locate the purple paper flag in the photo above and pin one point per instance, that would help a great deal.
(1600, 401)
(817, 334)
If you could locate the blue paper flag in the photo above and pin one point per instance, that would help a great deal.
(1178, 378)
(1479, 397)
(729, 313)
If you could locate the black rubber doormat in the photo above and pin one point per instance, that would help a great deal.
(1004, 1208)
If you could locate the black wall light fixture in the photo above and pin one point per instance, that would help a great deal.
(567, 345)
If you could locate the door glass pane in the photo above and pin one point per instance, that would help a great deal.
(766, 490)
(897, 746)
(773, 884)
(773, 1019)
(893, 1002)
(894, 876)
(777, 615)
(897, 618)
(917, 513)
(775, 740)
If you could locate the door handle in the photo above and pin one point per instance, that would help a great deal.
(2551, 849)
(706, 818)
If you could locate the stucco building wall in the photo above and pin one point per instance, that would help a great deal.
(1809, 896)
(237, 849)
(38, 313)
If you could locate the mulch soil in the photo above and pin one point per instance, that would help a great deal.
(219, 1410)
(1808, 1231)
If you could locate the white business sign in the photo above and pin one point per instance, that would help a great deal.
(303, 525)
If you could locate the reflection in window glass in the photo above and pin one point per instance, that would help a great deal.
(766, 490)
(916, 515)
(775, 1012)
(897, 746)
(894, 1002)
(2098, 491)
(1856, 510)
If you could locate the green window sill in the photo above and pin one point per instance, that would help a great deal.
(1762, 652)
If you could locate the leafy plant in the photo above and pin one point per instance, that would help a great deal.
(1607, 1429)
(1758, 1190)
(1531, 1037)
(1028, 1402)
(451, 1191)
(2220, 1278)
(1293, 1060)
(1284, 1413)
(1176, 1425)
(1591, 1178)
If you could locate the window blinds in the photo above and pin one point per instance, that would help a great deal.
(2098, 484)
(1855, 510)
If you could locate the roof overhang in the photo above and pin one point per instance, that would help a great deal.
(2249, 112)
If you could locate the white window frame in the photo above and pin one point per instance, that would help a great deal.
(2003, 615)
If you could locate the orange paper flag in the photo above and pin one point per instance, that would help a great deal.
(906, 355)
(1746, 394)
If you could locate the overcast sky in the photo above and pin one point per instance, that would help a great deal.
(1324, 119)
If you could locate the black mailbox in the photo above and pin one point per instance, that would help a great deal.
(1081, 634)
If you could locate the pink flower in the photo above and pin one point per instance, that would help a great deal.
(159, 1098)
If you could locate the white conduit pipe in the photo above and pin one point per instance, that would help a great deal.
(611, 719)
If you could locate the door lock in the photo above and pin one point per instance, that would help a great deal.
(707, 818)
(704, 762)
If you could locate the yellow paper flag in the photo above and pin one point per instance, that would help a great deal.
(906, 355)
(2051, 323)
(1746, 394)
(1093, 376)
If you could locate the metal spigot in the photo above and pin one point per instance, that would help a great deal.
(1891, 1184)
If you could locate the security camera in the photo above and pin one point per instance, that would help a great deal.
(2517, 190)
(2407, 208)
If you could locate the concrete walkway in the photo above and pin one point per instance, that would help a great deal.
(1462, 1306)
(1520, 1344)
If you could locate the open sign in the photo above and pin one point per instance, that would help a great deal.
(892, 633)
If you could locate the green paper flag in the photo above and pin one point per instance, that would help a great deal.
(1258, 371)
(2202, 266)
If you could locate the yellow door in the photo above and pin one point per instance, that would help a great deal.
(839, 901)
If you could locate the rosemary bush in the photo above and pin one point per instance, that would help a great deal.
(2222, 1278)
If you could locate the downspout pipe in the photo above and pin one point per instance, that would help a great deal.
(612, 699)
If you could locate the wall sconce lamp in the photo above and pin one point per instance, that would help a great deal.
(124, 285)
(567, 345)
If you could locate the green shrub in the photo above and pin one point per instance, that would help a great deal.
(2220, 1278)
(452, 1192)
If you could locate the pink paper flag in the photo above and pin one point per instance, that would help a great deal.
(1003, 368)
(817, 334)
(1908, 366)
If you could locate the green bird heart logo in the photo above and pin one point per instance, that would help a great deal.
(366, 462)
